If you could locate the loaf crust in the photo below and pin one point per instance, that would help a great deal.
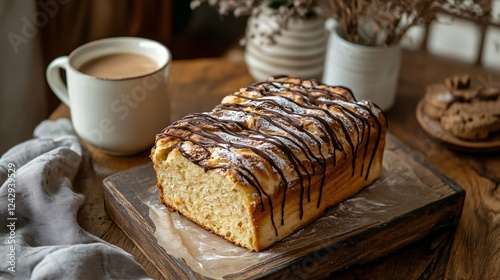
(269, 159)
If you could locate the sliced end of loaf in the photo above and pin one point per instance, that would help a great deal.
(211, 200)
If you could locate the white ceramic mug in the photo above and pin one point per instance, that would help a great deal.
(120, 116)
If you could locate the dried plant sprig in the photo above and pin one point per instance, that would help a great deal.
(366, 22)
(385, 22)
(282, 10)
(288, 8)
(226, 7)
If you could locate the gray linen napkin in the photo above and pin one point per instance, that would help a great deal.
(39, 233)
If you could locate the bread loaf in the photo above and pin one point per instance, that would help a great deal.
(269, 159)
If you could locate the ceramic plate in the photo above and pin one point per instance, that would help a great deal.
(434, 129)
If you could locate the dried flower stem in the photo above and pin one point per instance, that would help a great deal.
(366, 22)
(384, 22)
(283, 11)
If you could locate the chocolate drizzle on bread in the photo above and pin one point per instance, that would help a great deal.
(296, 129)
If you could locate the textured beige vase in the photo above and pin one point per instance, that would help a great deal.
(297, 51)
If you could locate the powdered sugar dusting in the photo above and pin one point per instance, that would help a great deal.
(283, 102)
(235, 116)
(274, 127)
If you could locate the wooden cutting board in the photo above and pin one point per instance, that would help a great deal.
(382, 218)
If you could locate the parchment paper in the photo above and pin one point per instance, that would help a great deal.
(213, 257)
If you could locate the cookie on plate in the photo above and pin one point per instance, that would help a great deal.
(475, 120)
(488, 93)
(437, 99)
(464, 95)
(458, 82)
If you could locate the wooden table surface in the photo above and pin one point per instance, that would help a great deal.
(472, 251)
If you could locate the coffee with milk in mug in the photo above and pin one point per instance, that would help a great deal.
(119, 66)
(116, 90)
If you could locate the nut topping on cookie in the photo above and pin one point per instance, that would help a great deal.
(458, 82)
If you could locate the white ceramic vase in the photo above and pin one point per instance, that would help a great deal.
(370, 72)
(298, 50)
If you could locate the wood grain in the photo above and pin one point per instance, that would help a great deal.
(472, 252)
(475, 252)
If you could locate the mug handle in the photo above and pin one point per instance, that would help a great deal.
(54, 79)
